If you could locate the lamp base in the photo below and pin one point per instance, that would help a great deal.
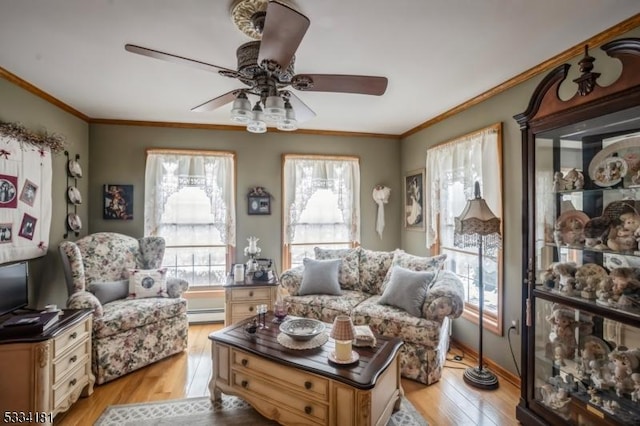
(480, 378)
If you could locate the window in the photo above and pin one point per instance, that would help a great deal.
(452, 170)
(189, 200)
(321, 205)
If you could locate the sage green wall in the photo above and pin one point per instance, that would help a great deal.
(46, 281)
(118, 156)
(500, 108)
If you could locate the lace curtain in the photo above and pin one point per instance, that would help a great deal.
(322, 200)
(190, 196)
(459, 164)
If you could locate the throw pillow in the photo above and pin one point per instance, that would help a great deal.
(349, 271)
(374, 266)
(147, 283)
(109, 291)
(414, 263)
(407, 289)
(320, 277)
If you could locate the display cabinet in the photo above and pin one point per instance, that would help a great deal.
(581, 259)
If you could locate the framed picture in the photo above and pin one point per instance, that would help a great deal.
(259, 204)
(414, 200)
(118, 202)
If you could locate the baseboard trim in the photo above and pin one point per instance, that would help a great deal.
(199, 316)
(509, 376)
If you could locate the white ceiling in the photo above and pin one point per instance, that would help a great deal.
(436, 53)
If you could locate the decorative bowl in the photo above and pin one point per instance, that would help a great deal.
(302, 328)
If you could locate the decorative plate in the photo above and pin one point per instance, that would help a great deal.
(74, 169)
(608, 171)
(628, 149)
(570, 227)
(74, 195)
(73, 222)
(302, 328)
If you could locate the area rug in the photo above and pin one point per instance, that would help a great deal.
(201, 411)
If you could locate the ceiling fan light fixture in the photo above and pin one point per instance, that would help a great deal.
(257, 124)
(274, 108)
(289, 122)
(241, 111)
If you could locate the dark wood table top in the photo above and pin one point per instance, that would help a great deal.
(67, 319)
(363, 375)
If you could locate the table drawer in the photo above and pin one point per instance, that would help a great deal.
(66, 362)
(300, 381)
(245, 310)
(62, 391)
(277, 395)
(70, 338)
(262, 294)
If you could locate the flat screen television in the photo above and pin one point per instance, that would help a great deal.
(14, 290)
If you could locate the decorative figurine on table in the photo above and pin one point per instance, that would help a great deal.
(252, 251)
(562, 337)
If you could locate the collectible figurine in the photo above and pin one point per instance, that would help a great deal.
(625, 283)
(562, 336)
(559, 183)
(574, 179)
(596, 231)
(626, 362)
(565, 273)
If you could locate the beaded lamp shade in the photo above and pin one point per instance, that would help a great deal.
(343, 328)
(476, 222)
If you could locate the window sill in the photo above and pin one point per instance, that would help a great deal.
(489, 323)
(204, 293)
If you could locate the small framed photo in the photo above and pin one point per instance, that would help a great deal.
(118, 202)
(29, 191)
(6, 232)
(259, 204)
(413, 217)
(28, 226)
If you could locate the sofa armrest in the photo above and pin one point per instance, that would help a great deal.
(85, 300)
(176, 287)
(445, 297)
(72, 266)
(291, 279)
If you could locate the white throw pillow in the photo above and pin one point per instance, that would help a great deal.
(145, 283)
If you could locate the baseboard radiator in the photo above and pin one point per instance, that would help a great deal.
(205, 315)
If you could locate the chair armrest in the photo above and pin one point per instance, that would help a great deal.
(152, 251)
(445, 297)
(291, 279)
(85, 300)
(176, 286)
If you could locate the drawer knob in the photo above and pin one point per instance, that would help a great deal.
(244, 384)
(307, 385)
(250, 308)
(73, 382)
(73, 335)
(250, 294)
(73, 358)
(308, 409)
(244, 362)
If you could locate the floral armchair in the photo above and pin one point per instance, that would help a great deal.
(130, 330)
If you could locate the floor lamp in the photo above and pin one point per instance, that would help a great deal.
(478, 227)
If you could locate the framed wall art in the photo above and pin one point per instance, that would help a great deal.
(118, 202)
(259, 201)
(413, 217)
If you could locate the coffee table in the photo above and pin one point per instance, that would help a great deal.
(302, 386)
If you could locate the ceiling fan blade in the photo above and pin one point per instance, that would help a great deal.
(362, 84)
(179, 60)
(283, 31)
(303, 112)
(216, 103)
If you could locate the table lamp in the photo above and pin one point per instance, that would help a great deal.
(343, 333)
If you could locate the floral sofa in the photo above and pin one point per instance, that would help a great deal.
(362, 276)
(129, 332)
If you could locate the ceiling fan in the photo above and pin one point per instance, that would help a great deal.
(266, 67)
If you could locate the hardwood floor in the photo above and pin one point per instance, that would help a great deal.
(448, 402)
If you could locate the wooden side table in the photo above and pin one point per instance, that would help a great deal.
(42, 375)
(240, 300)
